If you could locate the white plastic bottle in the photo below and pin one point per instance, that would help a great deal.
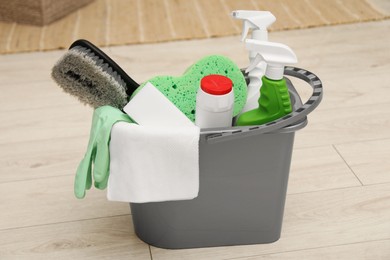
(258, 21)
(214, 102)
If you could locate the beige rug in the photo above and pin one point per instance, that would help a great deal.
(117, 22)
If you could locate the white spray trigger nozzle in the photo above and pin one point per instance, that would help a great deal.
(256, 20)
(277, 55)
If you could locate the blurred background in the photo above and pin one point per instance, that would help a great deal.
(37, 25)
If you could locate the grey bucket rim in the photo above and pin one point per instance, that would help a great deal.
(299, 115)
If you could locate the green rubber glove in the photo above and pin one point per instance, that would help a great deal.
(98, 153)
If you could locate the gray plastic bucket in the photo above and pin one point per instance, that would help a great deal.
(242, 184)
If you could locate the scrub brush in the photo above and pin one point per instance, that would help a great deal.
(95, 79)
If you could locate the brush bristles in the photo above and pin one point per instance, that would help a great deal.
(82, 74)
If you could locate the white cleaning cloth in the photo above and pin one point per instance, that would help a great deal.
(157, 160)
(150, 164)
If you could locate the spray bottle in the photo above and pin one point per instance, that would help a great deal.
(274, 101)
(258, 21)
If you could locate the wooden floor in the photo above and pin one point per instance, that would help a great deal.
(338, 203)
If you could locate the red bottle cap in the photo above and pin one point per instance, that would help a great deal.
(216, 84)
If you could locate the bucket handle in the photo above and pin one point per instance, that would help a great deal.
(226, 134)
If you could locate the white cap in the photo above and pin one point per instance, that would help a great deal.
(276, 55)
(214, 102)
(274, 71)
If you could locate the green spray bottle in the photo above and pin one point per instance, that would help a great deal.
(274, 101)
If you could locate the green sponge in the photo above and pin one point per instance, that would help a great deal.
(181, 91)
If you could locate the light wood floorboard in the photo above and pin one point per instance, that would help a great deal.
(361, 251)
(101, 238)
(51, 200)
(38, 159)
(369, 160)
(319, 168)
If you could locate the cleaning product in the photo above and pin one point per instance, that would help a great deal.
(97, 154)
(258, 21)
(214, 102)
(95, 79)
(182, 91)
(151, 107)
(274, 101)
